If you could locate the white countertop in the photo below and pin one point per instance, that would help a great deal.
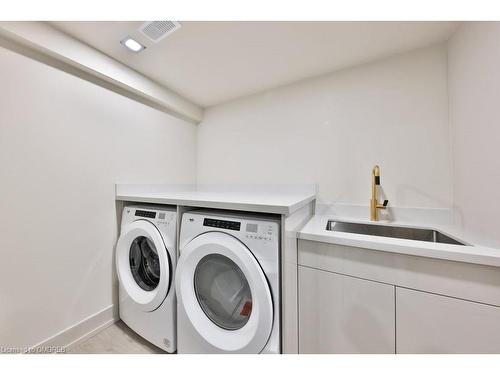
(275, 199)
(315, 230)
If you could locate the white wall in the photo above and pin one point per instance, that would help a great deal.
(64, 143)
(332, 129)
(474, 90)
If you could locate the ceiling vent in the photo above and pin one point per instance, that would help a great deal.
(157, 30)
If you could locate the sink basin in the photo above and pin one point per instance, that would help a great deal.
(407, 233)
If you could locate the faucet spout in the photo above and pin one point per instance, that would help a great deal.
(376, 175)
(374, 205)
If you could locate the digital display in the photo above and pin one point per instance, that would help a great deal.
(148, 214)
(252, 228)
(224, 224)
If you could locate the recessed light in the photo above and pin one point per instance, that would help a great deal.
(132, 44)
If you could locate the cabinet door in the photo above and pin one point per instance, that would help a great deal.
(430, 323)
(342, 314)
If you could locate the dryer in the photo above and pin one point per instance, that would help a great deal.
(145, 263)
(227, 283)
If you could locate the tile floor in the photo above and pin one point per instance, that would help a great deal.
(116, 339)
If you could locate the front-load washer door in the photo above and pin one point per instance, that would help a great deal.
(143, 264)
(225, 293)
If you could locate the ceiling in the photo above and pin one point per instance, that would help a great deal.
(213, 62)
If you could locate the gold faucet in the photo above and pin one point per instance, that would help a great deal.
(374, 206)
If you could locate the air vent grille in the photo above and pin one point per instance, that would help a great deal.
(157, 30)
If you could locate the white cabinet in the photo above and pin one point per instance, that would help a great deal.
(342, 314)
(430, 323)
(367, 301)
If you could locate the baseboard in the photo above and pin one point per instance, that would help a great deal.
(82, 330)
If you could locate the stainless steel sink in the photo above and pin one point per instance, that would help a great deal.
(407, 233)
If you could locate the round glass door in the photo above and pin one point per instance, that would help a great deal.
(144, 263)
(223, 292)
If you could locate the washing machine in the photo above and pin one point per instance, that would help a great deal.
(145, 263)
(228, 283)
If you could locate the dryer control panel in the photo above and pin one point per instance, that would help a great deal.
(224, 224)
(252, 230)
(260, 231)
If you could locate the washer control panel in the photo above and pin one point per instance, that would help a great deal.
(148, 214)
(155, 215)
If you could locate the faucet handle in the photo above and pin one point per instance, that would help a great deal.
(383, 206)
